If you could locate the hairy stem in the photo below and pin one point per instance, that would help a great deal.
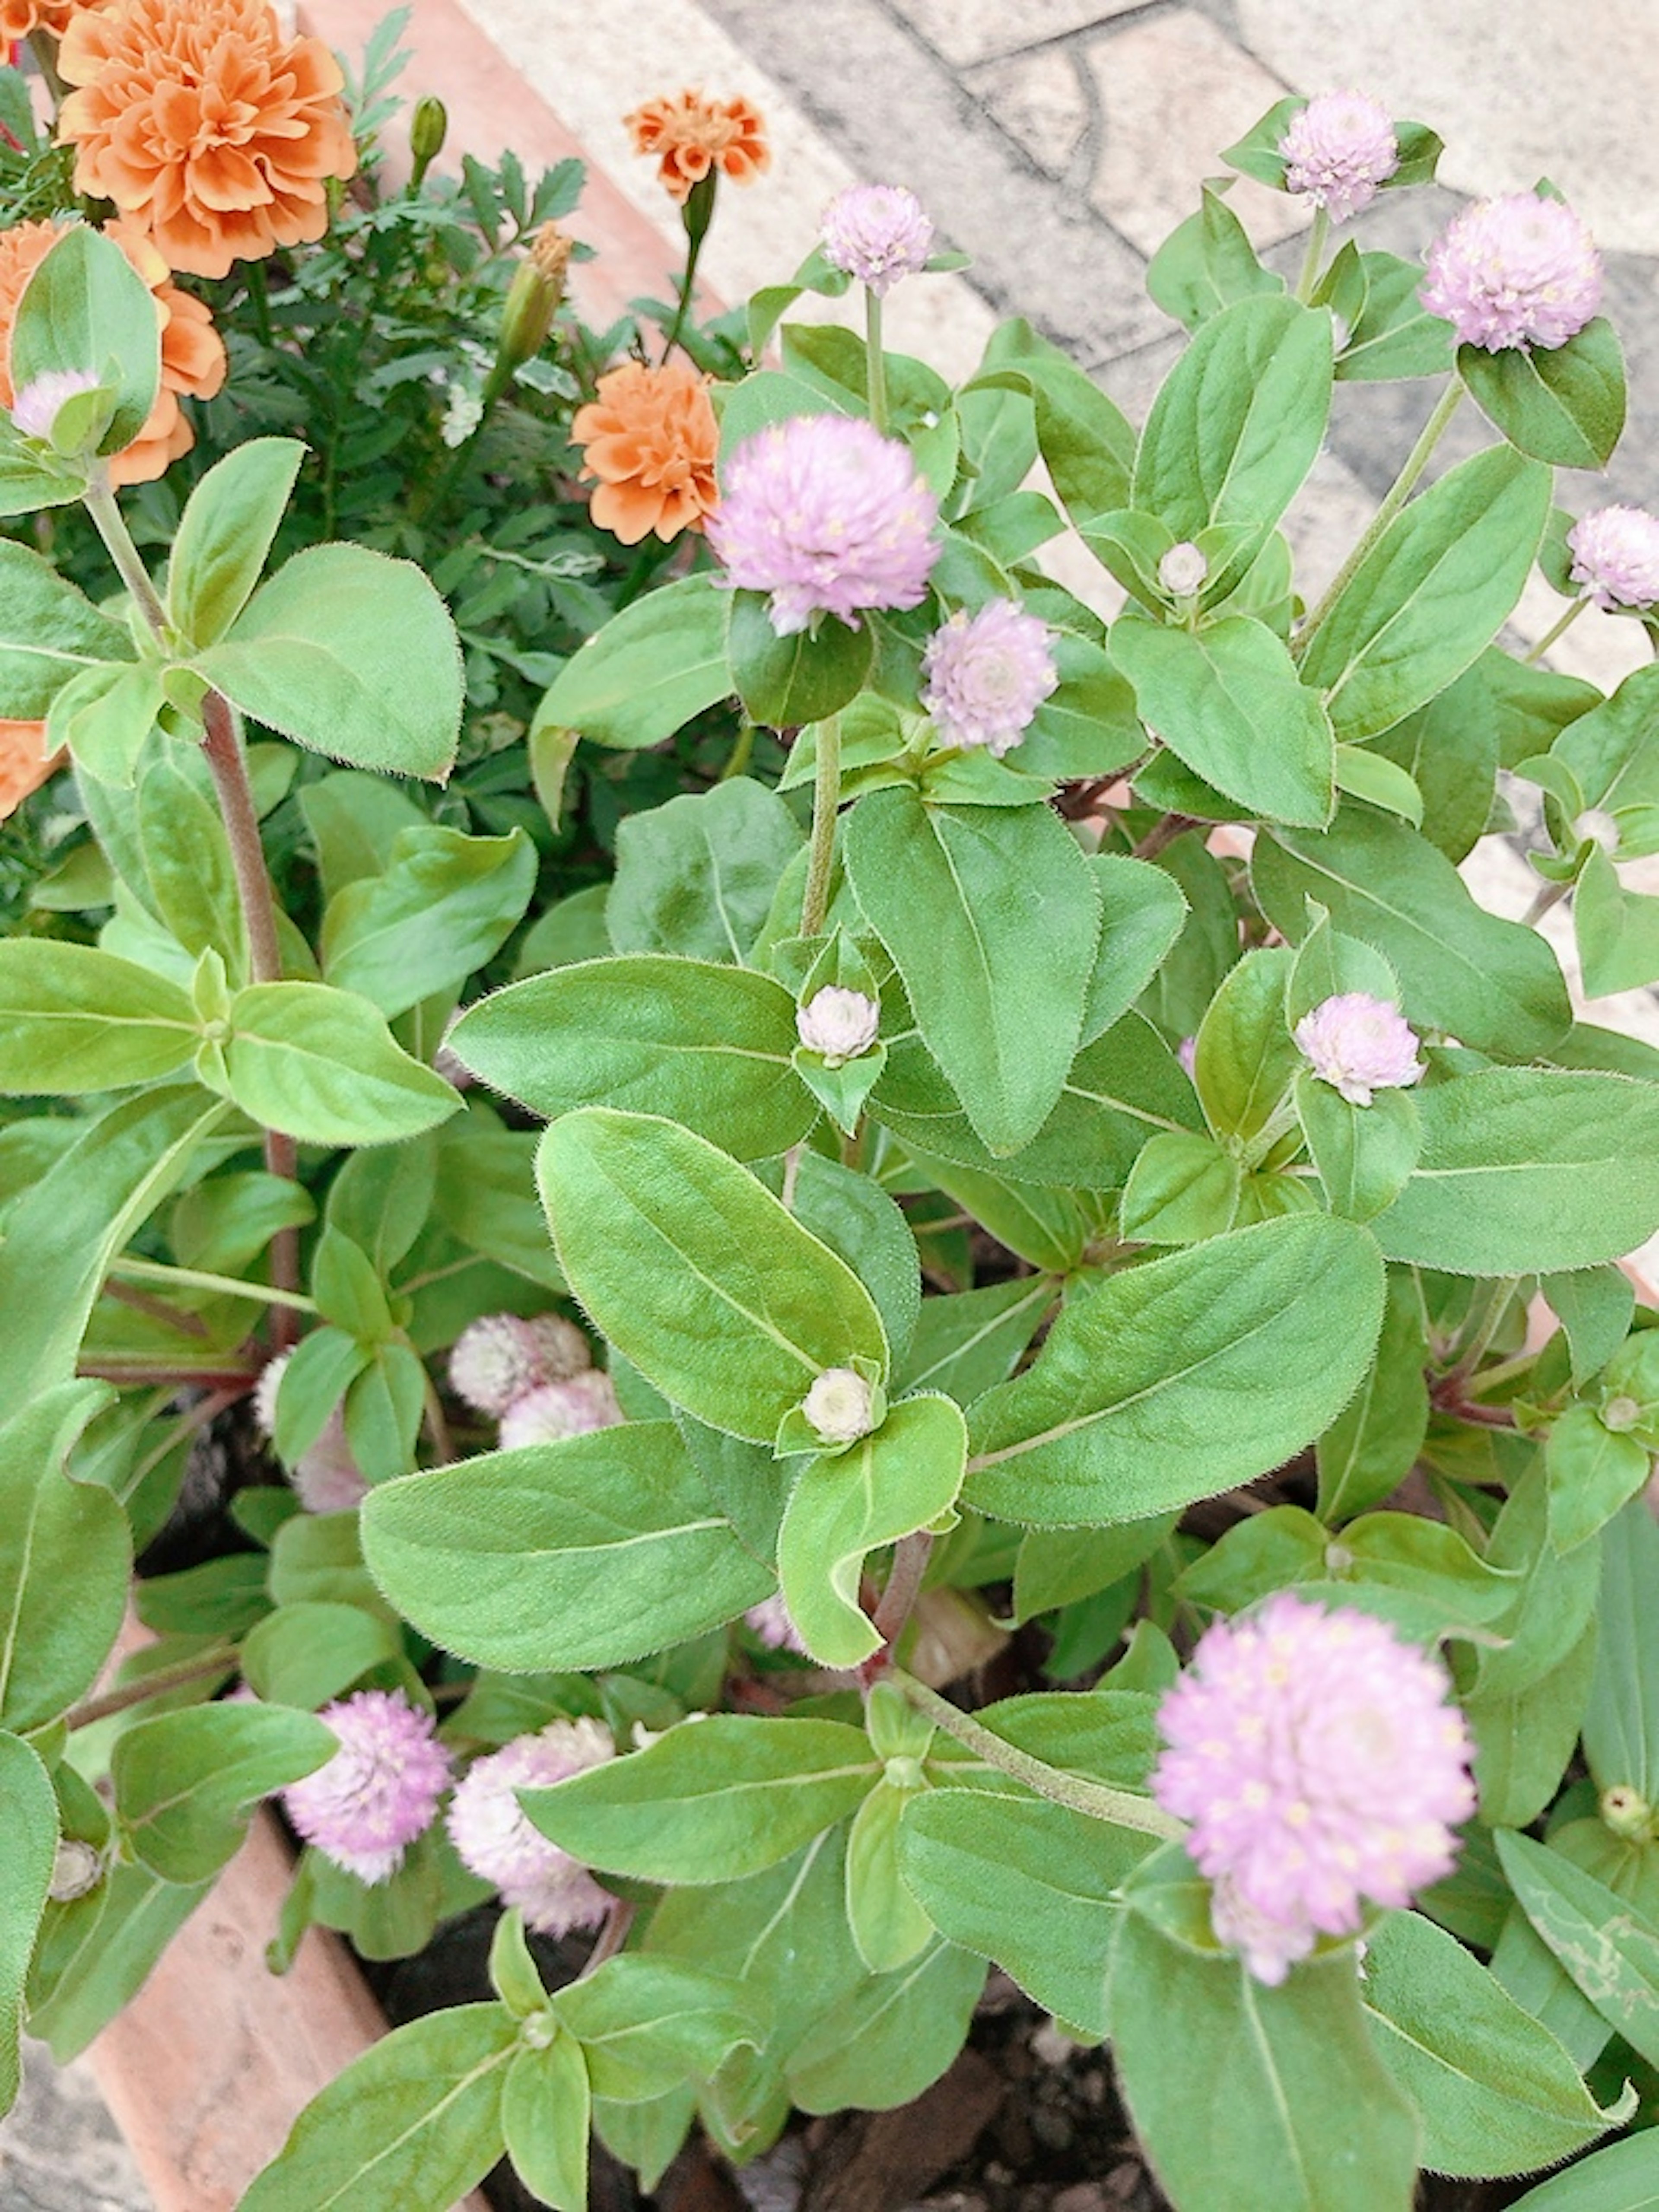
(1317, 239)
(1399, 492)
(219, 1660)
(1557, 629)
(1119, 1807)
(910, 1556)
(826, 800)
(1163, 833)
(193, 1278)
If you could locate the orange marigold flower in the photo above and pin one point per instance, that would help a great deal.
(24, 764)
(692, 135)
(650, 439)
(208, 127)
(19, 17)
(193, 353)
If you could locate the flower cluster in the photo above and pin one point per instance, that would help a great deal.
(535, 1376)
(879, 233)
(1615, 555)
(986, 674)
(496, 1840)
(650, 441)
(692, 136)
(201, 122)
(368, 1804)
(1358, 1044)
(1320, 1764)
(553, 1411)
(1521, 270)
(1338, 149)
(828, 517)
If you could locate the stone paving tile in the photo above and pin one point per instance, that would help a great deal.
(1044, 99)
(1173, 92)
(59, 2151)
(966, 31)
(1516, 92)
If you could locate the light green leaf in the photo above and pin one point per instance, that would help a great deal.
(1563, 403)
(647, 2025)
(75, 1019)
(890, 2037)
(65, 1559)
(546, 2105)
(49, 632)
(588, 1553)
(186, 1782)
(351, 654)
(889, 1927)
(1611, 1950)
(1143, 912)
(696, 1273)
(1181, 1189)
(224, 535)
(1623, 2178)
(1245, 1059)
(697, 876)
(649, 670)
(1183, 1377)
(87, 311)
(445, 906)
(321, 1065)
(28, 1820)
(1621, 1726)
(1365, 1154)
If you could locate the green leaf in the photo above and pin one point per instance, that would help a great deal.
(1026, 1884)
(1205, 264)
(1227, 701)
(890, 2037)
(65, 1559)
(708, 1047)
(29, 480)
(321, 1065)
(1373, 1445)
(696, 1273)
(63, 1234)
(1621, 1726)
(1394, 335)
(305, 1655)
(787, 682)
(1252, 1342)
(98, 1951)
(1623, 2178)
(967, 1343)
(224, 535)
(698, 876)
(350, 653)
(1237, 425)
(49, 633)
(546, 2105)
(186, 1782)
(647, 2025)
(1181, 1189)
(1365, 1154)
(1529, 1169)
(187, 855)
(74, 1020)
(889, 1927)
(1617, 930)
(848, 1504)
(1245, 1059)
(1431, 593)
(992, 918)
(1143, 914)
(588, 1553)
(411, 2126)
(445, 906)
(1594, 1305)
(1611, 1951)
(1248, 2098)
(1087, 446)
(1449, 751)
(711, 1800)
(28, 1820)
(1373, 777)
(1592, 1472)
(1495, 2092)
(1561, 403)
(87, 311)
(649, 670)
(1492, 984)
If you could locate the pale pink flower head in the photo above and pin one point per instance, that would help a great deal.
(1615, 555)
(1320, 1763)
(986, 674)
(1358, 1044)
(327, 1478)
(1337, 150)
(879, 234)
(828, 517)
(502, 1356)
(497, 1841)
(1521, 270)
(553, 1411)
(34, 410)
(840, 1024)
(380, 1789)
(772, 1621)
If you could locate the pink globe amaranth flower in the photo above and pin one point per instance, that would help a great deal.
(1358, 1044)
(497, 1841)
(380, 1789)
(502, 1356)
(1615, 554)
(772, 1621)
(34, 410)
(829, 518)
(986, 674)
(879, 234)
(1521, 270)
(1338, 150)
(1319, 1763)
(553, 1411)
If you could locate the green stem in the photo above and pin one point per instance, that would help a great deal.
(108, 519)
(1550, 895)
(1557, 629)
(1317, 238)
(1495, 1378)
(696, 234)
(259, 294)
(742, 752)
(194, 1279)
(876, 360)
(1416, 461)
(1485, 1318)
(826, 801)
(1120, 1807)
(219, 1660)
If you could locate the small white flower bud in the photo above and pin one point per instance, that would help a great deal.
(840, 1024)
(1182, 571)
(76, 1870)
(839, 1405)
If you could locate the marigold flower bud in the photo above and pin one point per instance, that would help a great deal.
(429, 126)
(839, 1405)
(1358, 1044)
(840, 1024)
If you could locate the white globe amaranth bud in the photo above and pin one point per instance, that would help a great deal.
(35, 408)
(840, 1406)
(1595, 826)
(76, 1870)
(841, 1024)
(1183, 571)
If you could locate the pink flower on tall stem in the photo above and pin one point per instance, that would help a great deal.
(1521, 270)
(1338, 150)
(879, 233)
